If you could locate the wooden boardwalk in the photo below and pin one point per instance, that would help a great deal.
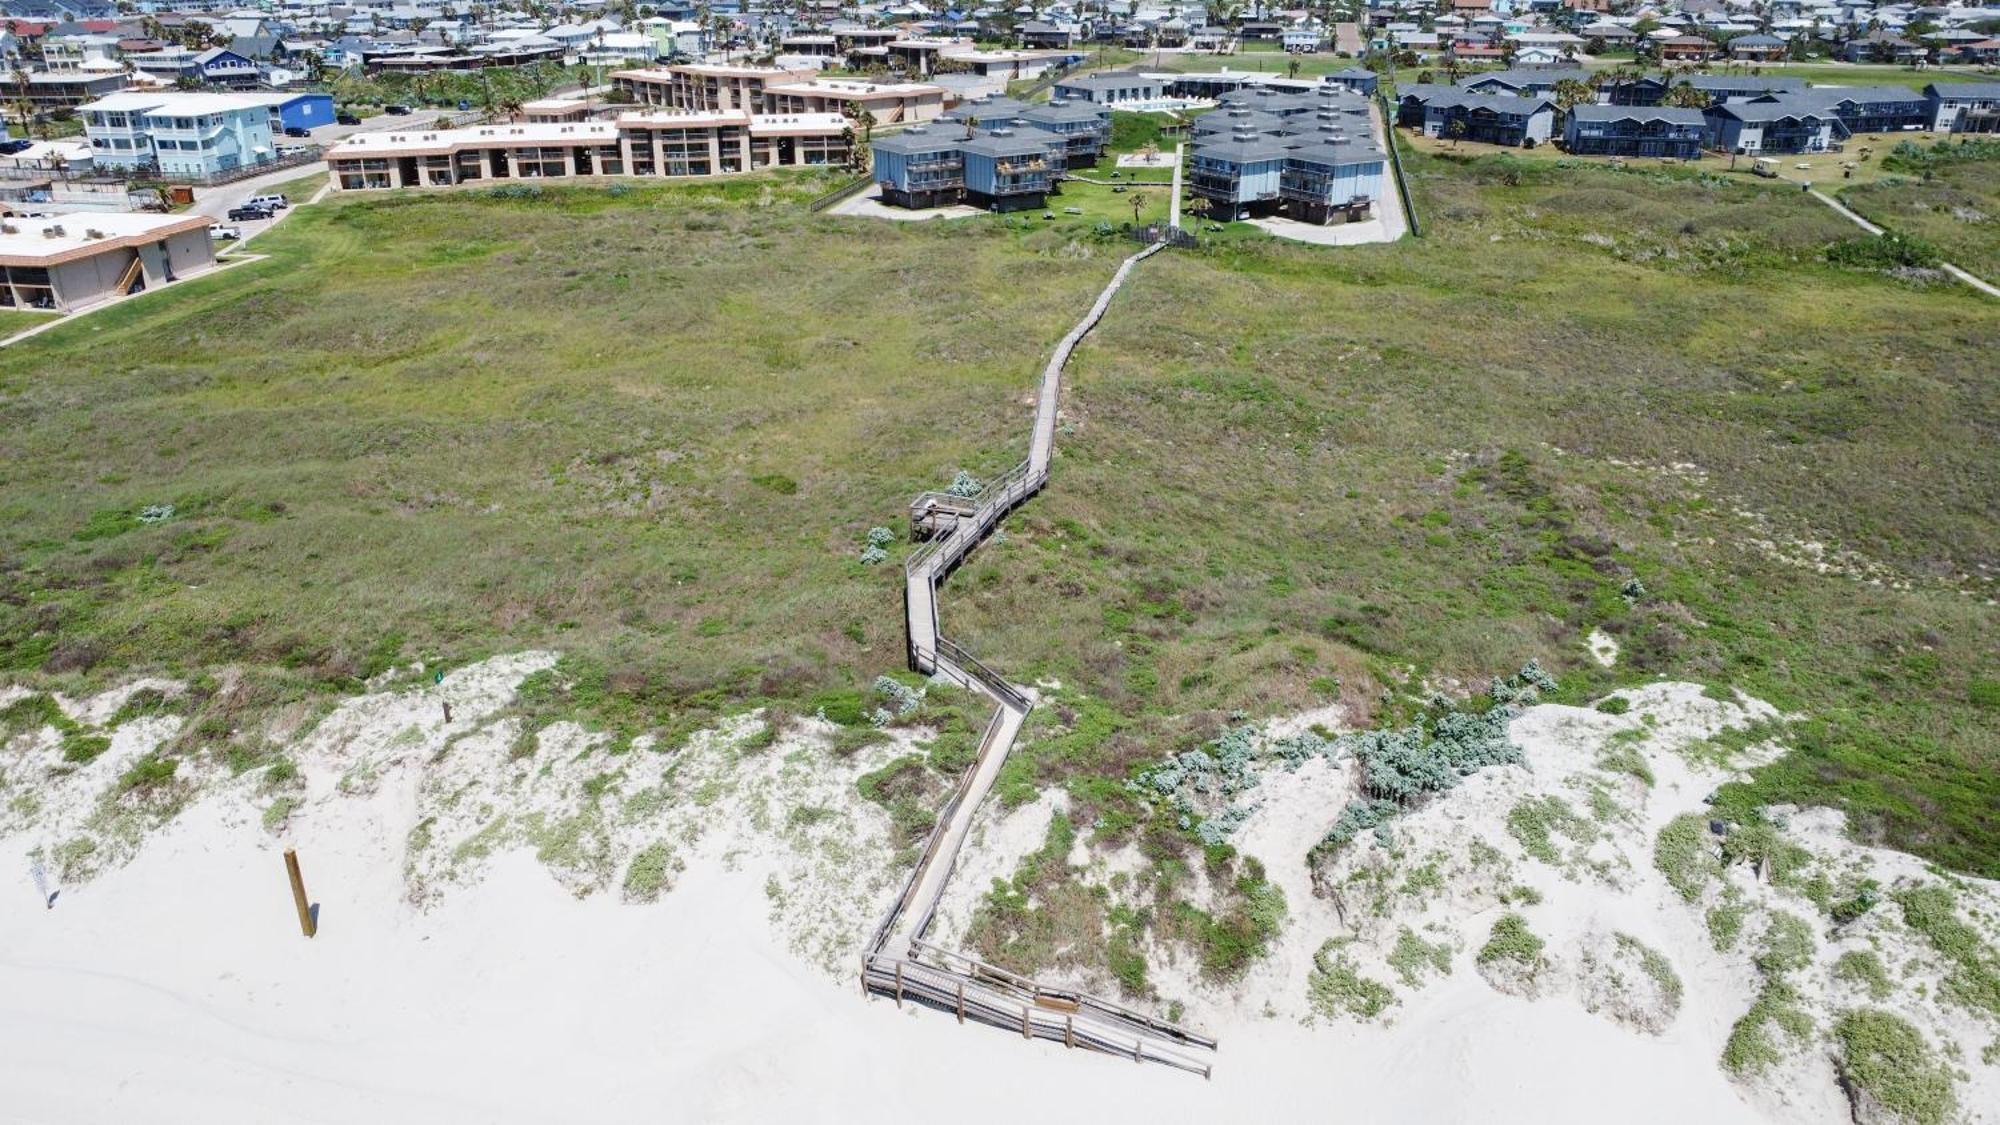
(898, 961)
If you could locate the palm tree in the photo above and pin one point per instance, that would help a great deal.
(866, 120)
(1138, 199)
(1570, 93)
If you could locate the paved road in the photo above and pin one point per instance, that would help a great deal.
(216, 202)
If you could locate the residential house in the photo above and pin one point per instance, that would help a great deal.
(195, 135)
(1786, 124)
(70, 262)
(1519, 81)
(1882, 46)
(1114, 89)
(1039, 34)
(1358, 79)
(1496, 119)
(1612, 130)
(46, 89)
(1685, 48)
(1874, 109)
(1756, 48)
(1303, 40)
(1964, 107)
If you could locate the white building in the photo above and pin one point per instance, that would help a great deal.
(70, 262)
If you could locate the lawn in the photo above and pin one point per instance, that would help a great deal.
(1948, 195)
(20, 320)
(651, 426)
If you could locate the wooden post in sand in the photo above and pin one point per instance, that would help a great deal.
(306, 923)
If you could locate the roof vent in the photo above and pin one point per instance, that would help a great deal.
(92, 232)
(54, 230)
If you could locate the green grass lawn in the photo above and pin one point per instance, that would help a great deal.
(651, 425)
(1951, 203)
(20, 320)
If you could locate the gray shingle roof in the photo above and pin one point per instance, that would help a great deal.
(1640, 113)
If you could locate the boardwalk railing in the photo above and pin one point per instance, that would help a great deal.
(898, 962)
(1056, 1020)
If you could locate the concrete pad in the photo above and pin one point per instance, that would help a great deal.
(1140, 160)
(869, 205)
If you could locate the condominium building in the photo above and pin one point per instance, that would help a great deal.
(996, 153)
(705, 87)
(889, 103)
(69, 262)
(1308, 156)
(636, 144)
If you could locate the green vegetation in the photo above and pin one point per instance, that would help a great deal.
(1885, 1058)
(1337, 988)
(1413, 957)
(1655, 965)
(650, 872)
(909, 791)
(386, 337)
(1681, 852)
(1725, 925)
(1535, 822)
(1511, 942)
(1753, 1044)
(1788, 945)
(1863, 967)
(1327, 538)
(1972, 968)
(1944, 198)
(279, 812)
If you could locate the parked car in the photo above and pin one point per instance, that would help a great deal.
(464, 104)
(9, 148)
(221, 233)
(396, 110)
(346, 119)
(270, 202)
(297, 131)
(248, 212)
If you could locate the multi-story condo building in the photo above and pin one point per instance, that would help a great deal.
(979, 153)
(1615, 130)
(1309, 156)
(636, 144)
(889, 103)
(705, 87)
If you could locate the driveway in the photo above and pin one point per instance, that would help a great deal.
(216, 202)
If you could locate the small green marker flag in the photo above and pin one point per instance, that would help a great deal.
(438, 676)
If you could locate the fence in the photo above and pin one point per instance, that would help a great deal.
(844, 191)
(148, 177)
(1396, 165)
